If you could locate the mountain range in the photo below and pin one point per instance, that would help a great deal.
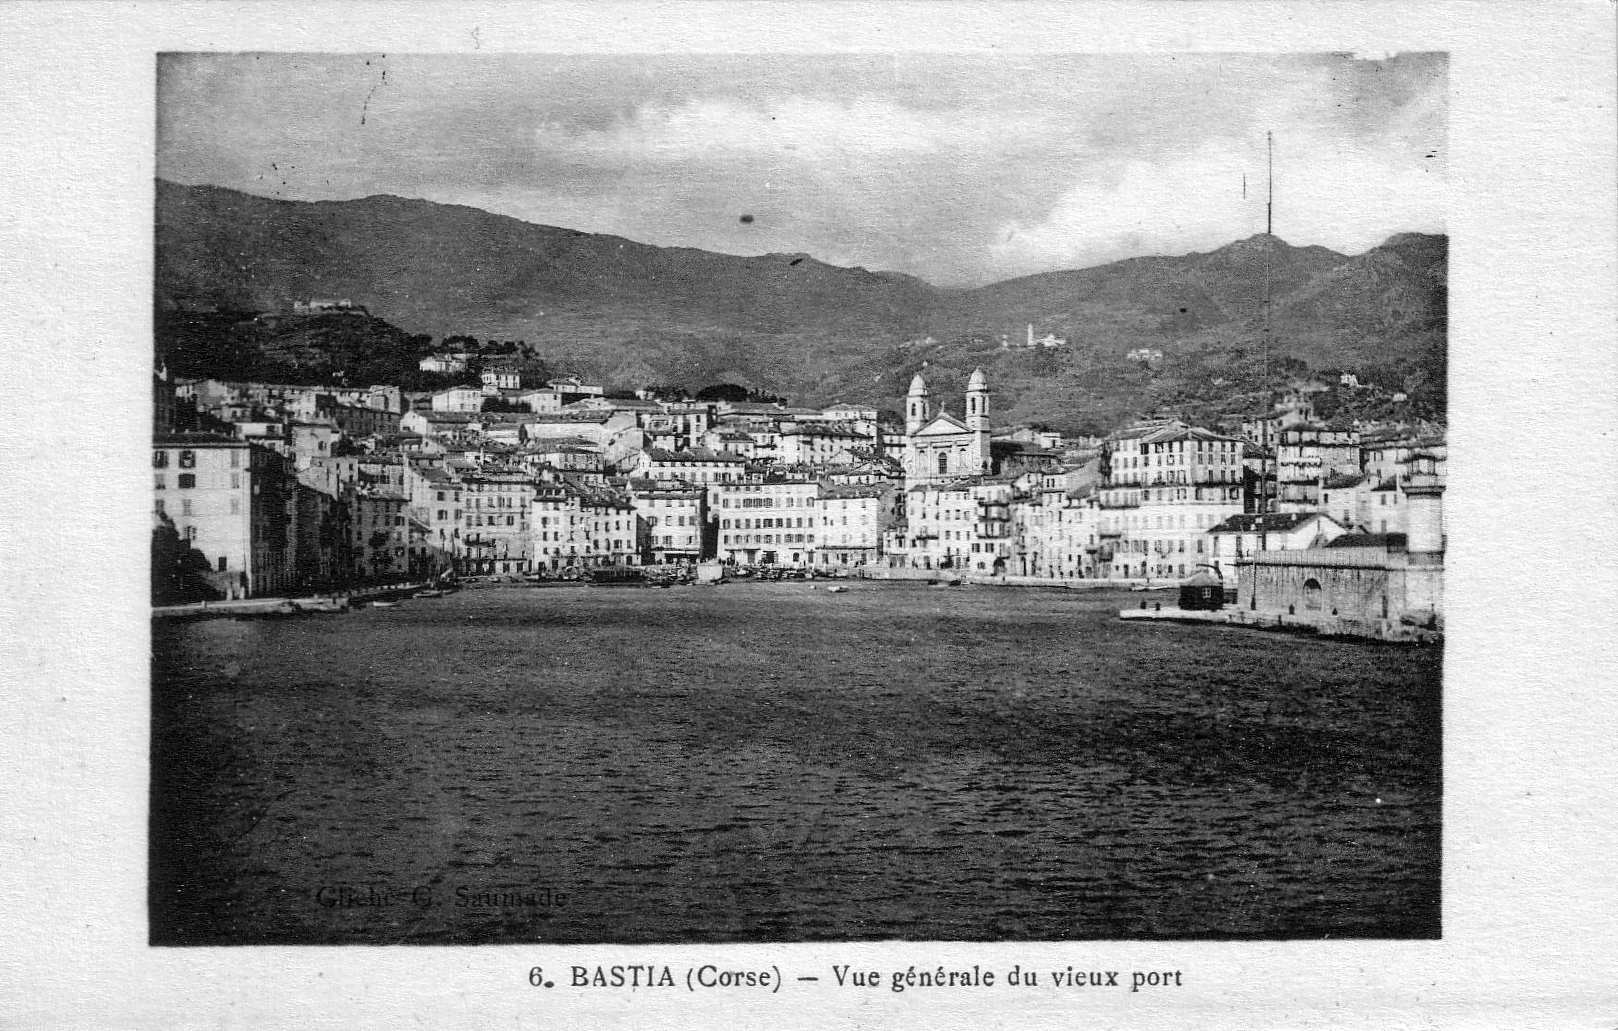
(635, 314)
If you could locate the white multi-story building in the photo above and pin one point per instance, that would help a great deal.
(822, 443)
(541, 400)
(853, 519)
(458, 399)
(963, 525)
(231, 503)
(696, 466)
(494, 535)
(766, 523)
(380, 539)
(575, 526)
(1306, 454)
(1057, 534)
(1167, 484)
(672, 515)
(435, 505)
(1241, 537)
(442, 363)
(501, 377)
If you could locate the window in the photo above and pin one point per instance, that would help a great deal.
(185, 507)
(159, 478)
(190, 533)
(235, 506)
(159, 504)
(188, 459)
(222, 559)
(235, 478)
(160, 459)
(943, 462)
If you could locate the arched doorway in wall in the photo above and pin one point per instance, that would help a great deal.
(1311, 594)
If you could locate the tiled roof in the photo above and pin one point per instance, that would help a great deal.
(1271, 522)
(823, 429)
(1391, 541)
(196, 440)
(562, 417)
(853, 490)
(562, 445)
(700, 454)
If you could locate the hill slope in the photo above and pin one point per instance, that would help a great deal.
(634, 314)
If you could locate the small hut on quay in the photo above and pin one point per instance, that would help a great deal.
(1204, 590)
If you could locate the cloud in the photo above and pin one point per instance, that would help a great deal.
(797, 128)
(1331, 190)
(961, 169)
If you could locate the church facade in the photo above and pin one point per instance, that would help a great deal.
(938, 446)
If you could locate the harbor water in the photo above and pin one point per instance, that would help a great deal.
(772, 762)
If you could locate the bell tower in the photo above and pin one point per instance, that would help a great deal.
(977, 420)
(916, 406)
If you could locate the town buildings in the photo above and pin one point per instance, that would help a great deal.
(306, 488)
(1361, 582)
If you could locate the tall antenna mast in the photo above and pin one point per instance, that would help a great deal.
(1269, 203)
(1264, 465)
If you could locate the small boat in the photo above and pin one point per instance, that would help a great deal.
(431, 593)
(837, 589)
(384, 604)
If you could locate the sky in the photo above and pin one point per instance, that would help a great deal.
(959, 169)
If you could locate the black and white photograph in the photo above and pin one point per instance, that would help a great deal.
(667, 498)
(808, 514)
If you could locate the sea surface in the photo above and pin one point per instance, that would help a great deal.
(771, 762)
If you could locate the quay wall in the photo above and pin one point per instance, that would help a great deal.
(990, 579)
(1388, 630)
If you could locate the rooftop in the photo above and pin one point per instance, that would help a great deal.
(1388, 541)
(832, 491)
(700, 454)
(196, 440)
(1270, 522)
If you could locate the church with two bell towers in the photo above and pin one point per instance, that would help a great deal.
(940, 447)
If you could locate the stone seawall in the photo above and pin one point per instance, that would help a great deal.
(1388, 630)
(988, 579)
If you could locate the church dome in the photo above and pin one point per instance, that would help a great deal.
(918, 385)
(978, 381)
